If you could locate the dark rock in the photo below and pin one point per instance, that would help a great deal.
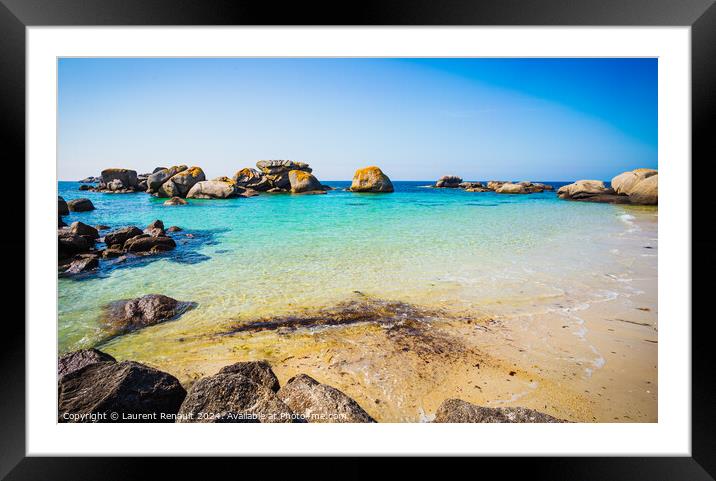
(259, 372)
(60, 222)
(90, 180)
(155, 229)
(317, 402)
(174, 229)
(458, 411)
(71, 244)
(225, 393)
(120, 236)
(84, 230)
(128, 315)
(74, 361)
(80, 205)
(83, 263)
(157, 169)
(449, 181)
(62, 208)
(112, 252)
(120, 178)
(101, 227)
(130, 389)
(85, 187)
(146, 243)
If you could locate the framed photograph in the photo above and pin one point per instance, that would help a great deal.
(424, 230)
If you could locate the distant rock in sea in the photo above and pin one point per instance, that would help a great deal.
(371, 179)
(449, 181)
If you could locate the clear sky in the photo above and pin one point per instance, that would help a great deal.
(418, 119)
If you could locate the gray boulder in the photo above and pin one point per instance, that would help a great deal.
(84, 230)
(157, 179)
(74, 361)
(259, 372)
(459, 411)
(273, 167)
(147, 243)
(321, 403)
(133, 391)
(80, 205)
(127, 315)
(223, 188)
(126, 177)
(120, 236)
(449, 181)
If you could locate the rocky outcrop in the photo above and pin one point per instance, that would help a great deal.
(155, 229)
(126, 315)
(458, 411)
(230, 395)
(645, 192)
(159, 177)
(69, 244)
(449, 181)
(371, 179)
(74, 361)
(83, 263)
(175, 201)
(626, 181)
(259, 372)
(221, 188)
(90, 180)
(275, 167)
(126, 177)
(582, 189)
(80, 205)
(120, 236)
(181, 183)
(133, 391)
(509, 188)
(301, 181)
(316, 402)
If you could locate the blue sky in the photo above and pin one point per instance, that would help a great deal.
(418, 119)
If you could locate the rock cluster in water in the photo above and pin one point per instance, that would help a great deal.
(78, 251)
(92, 385)
(639, 186)
(497, 186)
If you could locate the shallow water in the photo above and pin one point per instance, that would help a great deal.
(279, 254)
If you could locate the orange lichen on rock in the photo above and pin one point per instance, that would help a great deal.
(371, 179)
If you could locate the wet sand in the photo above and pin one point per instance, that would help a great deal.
(584, 361)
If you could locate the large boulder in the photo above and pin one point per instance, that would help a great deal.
(459, 411)
(127, 315)
(449, 181)
(180, 184)
(302, 181)
(132, 391)
(147, 243)
(582, 189)
(625, 182)
(158, 177)
(317, 402)
(509, 188)
(155, 229)
(83, 263)
(80, 205)
(84, 230)
(230, 395)
(273, 167)
(69, 244)
(371, 179)
(74, 361)
(259, 372)
(120, 236)
(646, 191)
(213, 189)
(127, 177)
(62, 208)
(247, 177)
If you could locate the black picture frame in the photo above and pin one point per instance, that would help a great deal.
(700, 15)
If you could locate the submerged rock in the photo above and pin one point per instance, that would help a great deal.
(128, 315)
(458, 411)
(371, 179)
(80, 205)
(74, 361)
(120, 236)
(321, 403)
(449, 181)
(231, 395)
(129, 389)
(175, 201)
(259, 372)
(147, 243)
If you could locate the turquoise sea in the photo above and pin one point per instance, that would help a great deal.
(276, 254)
